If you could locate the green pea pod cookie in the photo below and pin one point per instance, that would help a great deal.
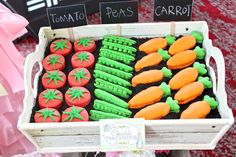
(97, 115)
(111, 108)
(119, 40)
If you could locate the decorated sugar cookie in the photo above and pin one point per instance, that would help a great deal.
(75, 114)
(54, 62)
(82, 60)
(50, 98)
(61, 46)
(79, 77)
(54, 79)
(84, 44)
(47, 115)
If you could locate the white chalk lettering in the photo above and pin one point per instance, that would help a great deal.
(79, 16)
(170, 10)
(184, 10)
(189, 9)
(108, 12)
(178, 10)
(53, 17)
(173, 10)
(119, 13)
(158, 11)
(130, 12)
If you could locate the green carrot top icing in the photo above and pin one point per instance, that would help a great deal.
(165, 88)
(201, 68)
(80, 74)
(170, 39)
(164, 54)
(54, 76)
(200, 52)
(45, 113)
(51, 94)
(84, 42)
(60, 44)
(205, 81)
(211, 101)
(174, 107)
(83, 56)
(198, 36)
(167, 72)
(74, 113)
(76, 93)
(53, 60)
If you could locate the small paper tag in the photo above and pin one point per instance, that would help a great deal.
(122, 134)
(3, 91)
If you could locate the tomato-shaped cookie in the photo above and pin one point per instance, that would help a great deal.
(84, 44)
(77, 96)
(82, 60)
(61, 46)
(51, 98)
(79, 77)
(75, 114)
(47, 115)
(54, 62)
(53, 79)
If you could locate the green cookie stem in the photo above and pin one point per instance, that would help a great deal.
(113, 71)
(166, 89)
(198, 36)
(164, 54)
(97, 115)
(167, 72)
(211, 101)
(120, 48)
(112, 88)
(200, 52)
(170, 39)
(111, 78)
(114, 64)
(114, 55)
(201, 68)
(119, 40)
(174, 107)
(103, 95)
(205, 81)
(110, 108)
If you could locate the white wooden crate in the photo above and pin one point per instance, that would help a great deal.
(160, 134)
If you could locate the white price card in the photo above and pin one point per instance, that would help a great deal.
(122, 134)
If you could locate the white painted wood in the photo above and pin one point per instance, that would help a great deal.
(160, 134)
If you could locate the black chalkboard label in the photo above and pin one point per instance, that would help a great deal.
(67, 16)
(172, 10)
(119, 12)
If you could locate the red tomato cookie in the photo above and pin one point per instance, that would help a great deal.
(61, 46)
(51, 98)
(77, 96)
(79, 77)
(53, 79)
(75, 114)
(82, 60)
(54, 62)
(47, 115)
(84, 44)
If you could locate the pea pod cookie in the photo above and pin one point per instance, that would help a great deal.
(199, 109)
(187, 75)
(149, 96)
(97, 115)
(158, 110)
(151, 76)
(185, 58)
(192, 90)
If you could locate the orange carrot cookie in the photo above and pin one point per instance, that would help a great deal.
(187, 75)
(152, 45)
(185, 58)
(151, 76)
(152, 59)
(149, 96)
(192, 90)
(199, 109)
(158, 110)
(182, 44)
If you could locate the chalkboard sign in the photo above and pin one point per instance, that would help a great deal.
(67, 16)
(119, 12)
(172, 10)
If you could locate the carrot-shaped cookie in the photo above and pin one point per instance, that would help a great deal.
(187, 75)
(192, 90)
(149, 96)
(182, 44)
(152, 59)
(151, 76)
(158, 110)
(185, 58)
(199, 109)
(152, 45)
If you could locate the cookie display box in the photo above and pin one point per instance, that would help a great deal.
(160, 134)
